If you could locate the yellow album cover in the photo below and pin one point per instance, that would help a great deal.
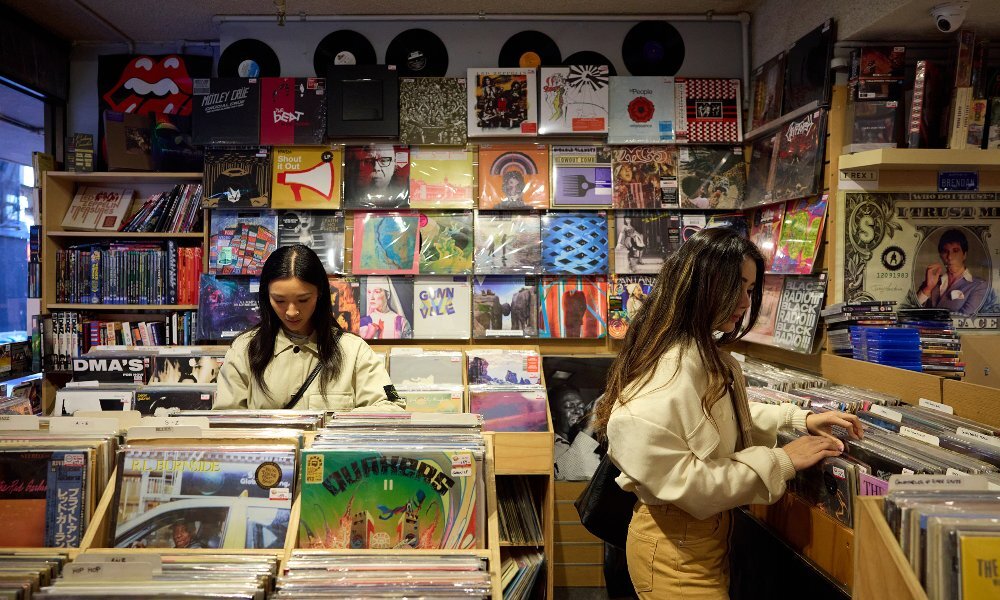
(442, 177)
(306, 177)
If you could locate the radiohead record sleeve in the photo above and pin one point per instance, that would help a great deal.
(642, 110)
(240, 242)
(433, 110)
(237, 177)
(513, 177)
(306, 177)
(581, 177)
(501, 102)
(711, 177)
(377, 176)
(292, 111)
(574, 100)
(442, 177)
(645, 177)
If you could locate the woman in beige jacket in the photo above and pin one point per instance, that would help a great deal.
(679, 425)
(266, 366)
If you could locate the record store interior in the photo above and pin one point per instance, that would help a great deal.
(572, 300)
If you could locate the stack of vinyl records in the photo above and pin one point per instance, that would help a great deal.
(940, 344)
(773, 396)
(25, 572)
(429, 381)
(301, 420)
(766, 375)
(894, 347)
(151, 575)
(504, 387)
(518, 517)
(519, 573)
(395, 480)
(840, 317)
(845, 398)
(425, 575)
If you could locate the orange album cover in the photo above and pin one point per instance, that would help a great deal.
(514, 177)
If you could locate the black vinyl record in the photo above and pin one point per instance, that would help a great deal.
(343, 47)
(417, 53)
(653, 48)
(589, 57)
(529, 49)
(249, 58)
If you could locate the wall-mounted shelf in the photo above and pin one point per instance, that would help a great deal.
(921, 159)
(120, 307)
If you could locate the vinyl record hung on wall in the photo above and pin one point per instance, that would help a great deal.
(528, 50)
(653, 48)
(249, 58)
(589, 57)
(343, 47)
(417, 53)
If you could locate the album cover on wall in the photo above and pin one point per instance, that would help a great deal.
(386, 308)
(237, 177)
(692, 223)
(345, 296)
(645, 177)
(763, 330)
(766, 87)
(645, 239)
(442, 177)
(807, 68)
(240, 242)
(193, 369)
(446, 243)
(442, 308)
(760, 172)
(226, 111)
(642, 110)
(507, 243)
(709, 111)
(626, 293)
(306, 177)
(737, 221)
(227, 306)
(574, 100)
(363, 101)
(504, 306)
(502, 102)
(513, 177)
(292, 111)
(798, 159)
(321, 231)
(801, 236)
(575, 243)
(797, 315)
(581, 177)
(376, 176)
(765, 230)
(386, 243)
(572, 307)
(129, 147)
(433, 110)
(711, 177)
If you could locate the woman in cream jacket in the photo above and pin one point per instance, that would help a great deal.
(680, 428)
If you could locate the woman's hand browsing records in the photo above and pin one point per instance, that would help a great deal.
(810, 449)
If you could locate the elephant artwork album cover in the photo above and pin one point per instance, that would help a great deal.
(508, 243)
(504, 306)
(573, 307)
(386, 243)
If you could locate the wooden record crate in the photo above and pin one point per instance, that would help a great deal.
(881, 570)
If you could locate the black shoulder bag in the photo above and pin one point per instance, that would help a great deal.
(302, 390)
(606, 509)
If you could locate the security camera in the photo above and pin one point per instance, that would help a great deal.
(948, 17)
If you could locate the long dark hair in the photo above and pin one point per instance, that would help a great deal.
(301, 262)
(696, 291)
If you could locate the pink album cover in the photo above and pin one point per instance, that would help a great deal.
(510, 409)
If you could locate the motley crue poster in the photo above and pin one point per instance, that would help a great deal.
(930, 250)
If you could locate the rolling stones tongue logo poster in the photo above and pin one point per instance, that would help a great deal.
(148, 84)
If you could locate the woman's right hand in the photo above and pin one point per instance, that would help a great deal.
(808, 450)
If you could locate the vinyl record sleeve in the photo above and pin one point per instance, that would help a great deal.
(807, 68)
(433, 400)
(446, 243)
(765, 231)
(513, 177)
(798, 159)
(575, 243)
(510, 409)
(644, 240)
(44, 499)
(498, 367)
(442, 177)
(573, 307)
(645, 177)
(386, 243)
(306, 177)
(574, 100)
(433, 111)
(502, 102)
(292, 111)
(193, 369)
(763, 331)
(801, 235)
(642, 110)
(237, 177)
(626, 293)
(760, 174)
(798, 312)
(442, 308)
(766, 88)
(376, 176)
(581, 177)
(709, 111)
(240, 242)
(507, 242)
(321, 231)
(504, 306)
(226, 111)
(711, 177)
(363, 101)
(227, 306)
(346, 303)
(427, 368)
(386, 308)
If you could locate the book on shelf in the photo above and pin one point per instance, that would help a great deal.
(98, 209)
(178, 210)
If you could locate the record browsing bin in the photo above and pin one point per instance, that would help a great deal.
(880, 567)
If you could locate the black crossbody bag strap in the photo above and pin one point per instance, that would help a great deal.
(302, 390)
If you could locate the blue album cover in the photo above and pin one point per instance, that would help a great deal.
(575, 243)
(227, 306)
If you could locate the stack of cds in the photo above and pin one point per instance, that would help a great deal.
(840, 317)
(894, 347)
(766, 375)
(940, 345)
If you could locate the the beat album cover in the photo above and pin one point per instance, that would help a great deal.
(502, 102)
(386, 308)
(642, 110)
(252, 486)
(513, 177)
(240, 242)
(237, 177)
(292, 111)
(446, 243)
(798, 159)
(504, 306)
(194, 369)
(345, 300)
(709, 111)
(765, 230)
(575, 243)
(574, 100)
(507, 242)
(572, 307)
(306, 177)
(510, 409)
(433, 110)
(763, 330)
(386, 242)
(322, 231)
(645, 177)
(376, 176)
(626, 293)
(442, 308)
(581, 177)
(711, 177)
(644, 239)
(359, 499)
(502, 366)
(227, 306)
(801, 236)
(760, 172)
(442, 177)
(226, 111)
(766, 87)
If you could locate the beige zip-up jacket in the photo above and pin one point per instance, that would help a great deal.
(669, 451)
(361, 383)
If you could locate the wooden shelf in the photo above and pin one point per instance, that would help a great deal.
(880, 567)
(125, 235)
(506, 544)
(121, 176)
(120, 307)
(921, 159)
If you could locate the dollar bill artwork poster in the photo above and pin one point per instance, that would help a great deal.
(930, 250)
